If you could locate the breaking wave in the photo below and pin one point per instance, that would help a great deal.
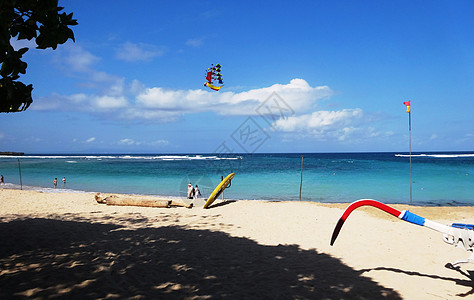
(437, 155)
(127, 157)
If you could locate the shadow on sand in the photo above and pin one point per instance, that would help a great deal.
(224, 203)
(45, 258)
(469, 282)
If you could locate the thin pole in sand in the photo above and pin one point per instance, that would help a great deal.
(301, 181)
(222, 178)
(19, 170)
(409, 134)
(408, 104)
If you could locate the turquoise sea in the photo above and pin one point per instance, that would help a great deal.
(437, 178)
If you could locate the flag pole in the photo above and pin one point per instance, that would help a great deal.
(407, 103)
(409, 137)
(301, 180)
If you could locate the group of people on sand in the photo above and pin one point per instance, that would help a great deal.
(55, 182)
(193, 192)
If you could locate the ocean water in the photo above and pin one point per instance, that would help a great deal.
(437, 178)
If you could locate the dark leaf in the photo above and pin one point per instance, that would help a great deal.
(27, 19)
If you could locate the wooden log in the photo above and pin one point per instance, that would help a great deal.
(137, 202)
(180, 203)
(99, 199)
(129, 201)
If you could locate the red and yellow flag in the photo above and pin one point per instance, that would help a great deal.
(407, 103)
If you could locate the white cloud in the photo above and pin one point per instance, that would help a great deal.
(196, 43)
(80, 102)
(78, 60)
(80, 63)
(131, 142)
(101, 77)
(136, 102)
(112, 97)
(136, 87)
(160, 143)
(131, 52)
(61, 102)
(297, 95)
(319, 120)
(109, 102)
(128, 142)
(132, 113)
(90, 140)
(165, 99)
(339, 125)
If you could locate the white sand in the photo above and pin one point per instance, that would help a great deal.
(66, 244)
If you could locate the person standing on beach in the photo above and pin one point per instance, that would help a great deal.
(1, 179)
(197, 192)
(55, 182)
(190, 191)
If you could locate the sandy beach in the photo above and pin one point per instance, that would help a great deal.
(68, 245)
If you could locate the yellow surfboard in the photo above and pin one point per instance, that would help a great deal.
(219, 189)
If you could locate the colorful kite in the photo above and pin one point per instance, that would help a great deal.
(214, 77)
(457, 234)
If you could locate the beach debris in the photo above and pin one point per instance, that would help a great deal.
(214, 77)
(140, 201)
(457, 234)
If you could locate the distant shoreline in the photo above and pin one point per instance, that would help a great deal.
(235, 153)
(342, 205)
(327, 178)
(12, 153)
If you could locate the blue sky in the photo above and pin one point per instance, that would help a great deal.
(300, 76)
